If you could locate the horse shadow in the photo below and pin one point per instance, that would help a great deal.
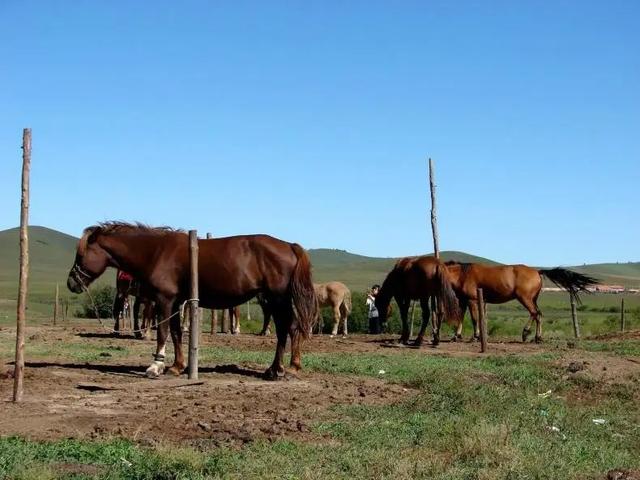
(123, 336)
(139, 370)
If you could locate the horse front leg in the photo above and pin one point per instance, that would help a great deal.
(157, 366)
(136, 318)
(336, 321)
(118, 306)
(176, 336)
(475, 316)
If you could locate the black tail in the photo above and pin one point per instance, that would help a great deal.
(447, 297)
(573, 282)
(302, 292)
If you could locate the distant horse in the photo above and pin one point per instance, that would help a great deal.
(510, 282)
(127, 286)
(418, 278)
(337, 296)
(267, 313)
(233, 314)
(232, 270)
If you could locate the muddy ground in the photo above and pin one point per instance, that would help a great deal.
(230, 404)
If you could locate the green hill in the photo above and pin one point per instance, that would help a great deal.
(52, 253)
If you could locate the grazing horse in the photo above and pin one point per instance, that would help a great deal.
(337, 296)
(126, 285)
(232, 270)
(502, 283)
(418, 278)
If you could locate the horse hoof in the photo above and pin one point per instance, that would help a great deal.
(155, 370)
(273, 374)
(174, 370)
(138, 336)
(525, 334)
(435, 342)
(538, 339)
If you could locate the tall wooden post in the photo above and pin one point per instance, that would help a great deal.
(56, 306)
(482, 320)
(622, 315)
(194, 324)
(18, 378)
(574, 317)
(435, 314)
(434, 218)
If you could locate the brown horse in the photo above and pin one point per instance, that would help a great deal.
(232, 270)
(510, 282)
(127, 286)
(418, 278)
(337, 296)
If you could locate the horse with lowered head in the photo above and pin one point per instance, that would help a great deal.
(231, 271)
(422, 278)
(501, 283)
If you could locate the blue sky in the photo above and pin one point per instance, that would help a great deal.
(313, 121)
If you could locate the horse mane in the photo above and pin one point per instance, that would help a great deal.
(464, 266)
(113, 226)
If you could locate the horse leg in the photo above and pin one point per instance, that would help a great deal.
(437, 321)
(276, 370)
(136, 318)
(426, 314)
(345, 315)
(403, 306)
(296, 340)
(534, 315)
(475, 315)
(458, 334)
(118, 306)
(336, 320)
(176, 336)
(157, 366)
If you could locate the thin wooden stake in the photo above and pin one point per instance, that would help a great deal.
(574, 317)
(482, 321)
(434, 218)
(18, 378)
(56, 306)
(194, 324)
(622, 315)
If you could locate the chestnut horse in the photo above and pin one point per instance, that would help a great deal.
(501, 283)
(232, 270)
(418, 278)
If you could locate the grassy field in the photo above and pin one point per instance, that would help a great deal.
(477, 418)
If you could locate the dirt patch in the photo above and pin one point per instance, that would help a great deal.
(231, 405)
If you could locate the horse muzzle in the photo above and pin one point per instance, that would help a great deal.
(74, 285)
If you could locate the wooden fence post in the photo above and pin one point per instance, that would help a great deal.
(18, 374)
(574, 317)
(622, 315)
(435, 314)
(482, 322)
(56, 307)
(194, 326)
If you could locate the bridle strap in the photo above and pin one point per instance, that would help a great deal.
(81, 273)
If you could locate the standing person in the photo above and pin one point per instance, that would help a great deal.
(374, 317)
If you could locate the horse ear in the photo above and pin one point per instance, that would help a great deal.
(88, 236)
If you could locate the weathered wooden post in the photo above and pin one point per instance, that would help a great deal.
(18, 374)
(56, 306)
(574, 317)
(194, 325)
(622, 315)
(435, 315)
(482, 320)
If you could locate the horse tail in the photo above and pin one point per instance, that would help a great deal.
(573, 282)
(303, 295)
(447, 298)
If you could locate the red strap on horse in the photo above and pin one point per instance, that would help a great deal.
(124, 276)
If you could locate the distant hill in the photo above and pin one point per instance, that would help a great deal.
(52, 253)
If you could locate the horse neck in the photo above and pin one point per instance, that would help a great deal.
(386, 292)
(130, 253)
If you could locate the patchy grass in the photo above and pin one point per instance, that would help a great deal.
(478, 417)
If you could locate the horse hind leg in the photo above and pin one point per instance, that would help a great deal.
(426, 314)
(344, 313)
(336, 320)
(535, 315)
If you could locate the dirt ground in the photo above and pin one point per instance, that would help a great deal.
(231, 404)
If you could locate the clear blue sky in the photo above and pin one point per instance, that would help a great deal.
(313, 121)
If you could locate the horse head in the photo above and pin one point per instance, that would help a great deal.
(90, 262)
